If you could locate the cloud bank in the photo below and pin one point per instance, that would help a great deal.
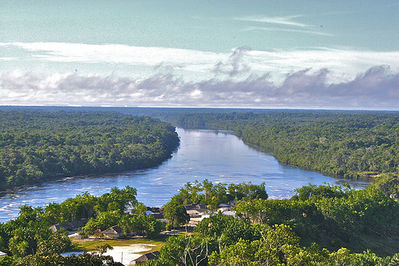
(319, 78)
(376, 88)
(343, 64)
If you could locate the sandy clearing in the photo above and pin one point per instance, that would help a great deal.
(125, 254)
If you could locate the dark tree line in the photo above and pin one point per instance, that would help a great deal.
(38, 146)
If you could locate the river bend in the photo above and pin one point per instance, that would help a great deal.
(215, 155)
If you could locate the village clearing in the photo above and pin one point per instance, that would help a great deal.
(124, 250)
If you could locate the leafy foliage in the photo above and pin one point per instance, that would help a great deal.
(210, 194)
(29, 240)
(320, 225)
(330, 216)
(175, 213)
(269, 245)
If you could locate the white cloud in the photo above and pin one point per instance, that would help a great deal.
(312, 32)
(343, 64)
(235, 65)
(282, 20)
(114, 53)
(7, 58)
(282, 24)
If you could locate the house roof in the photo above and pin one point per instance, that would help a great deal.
(229, 213)
(55, 227)
(195, 206)
(113, 230)
(148, 256)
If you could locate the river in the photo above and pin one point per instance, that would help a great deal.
(215, 155)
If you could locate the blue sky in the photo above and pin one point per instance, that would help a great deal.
(261, 54)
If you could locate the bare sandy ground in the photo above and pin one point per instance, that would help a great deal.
(125, 254)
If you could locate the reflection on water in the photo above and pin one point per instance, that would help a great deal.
(217, 156)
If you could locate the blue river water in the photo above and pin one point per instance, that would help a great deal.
(203, 154)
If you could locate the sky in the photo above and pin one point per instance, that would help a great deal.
(210, 53)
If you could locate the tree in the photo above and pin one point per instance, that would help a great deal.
(58, 242)
(186, 250)
(175, 213)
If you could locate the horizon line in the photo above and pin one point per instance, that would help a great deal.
(205, 107)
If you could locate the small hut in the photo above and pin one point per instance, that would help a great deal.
(146, 257)
(199, 207)
(113, 232)
(55, 228)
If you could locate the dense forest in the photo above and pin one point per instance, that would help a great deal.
(339, 144)
(37, 146)
(320, 225)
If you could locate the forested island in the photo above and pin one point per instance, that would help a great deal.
(340, 144)
(36, 146)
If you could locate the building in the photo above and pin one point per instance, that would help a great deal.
(146, 257)
(56, 227)
(113, 232)
(195, 207)
(224, 207)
